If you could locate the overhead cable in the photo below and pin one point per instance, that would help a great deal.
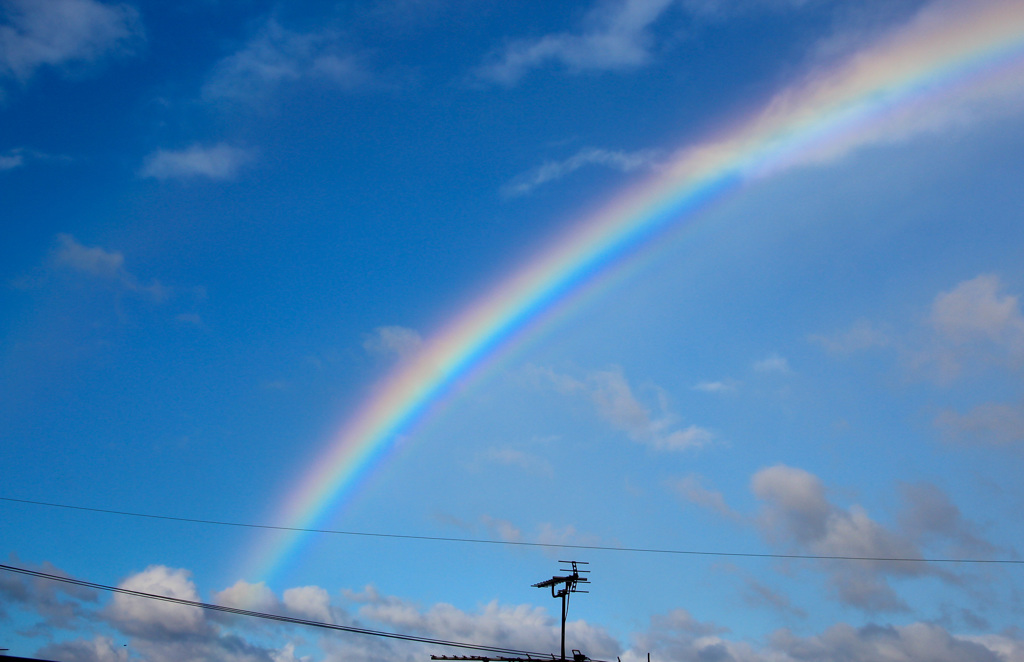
(521, 543)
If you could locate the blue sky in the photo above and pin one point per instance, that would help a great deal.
(226, 221)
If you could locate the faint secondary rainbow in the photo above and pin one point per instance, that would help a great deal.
(880, 93)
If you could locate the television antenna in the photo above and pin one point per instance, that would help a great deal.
(562, 586)
(568, 584)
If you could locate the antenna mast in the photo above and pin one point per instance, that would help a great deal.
(568, 585)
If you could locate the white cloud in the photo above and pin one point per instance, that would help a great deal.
(167, 632)
(974, 320)
(243, 595)
(551, 171)
(310, 602)
(396, 341)
(158, 633)
(524, 627)
(57, 33)
(773, 363)
(219, 161)
(691, 436)
(616, 403)
(150, 618)
(973, 326)
(276, 56)
(287, 654)
(616, 35)
(975, 311)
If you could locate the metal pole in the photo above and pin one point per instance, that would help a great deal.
(565, 600)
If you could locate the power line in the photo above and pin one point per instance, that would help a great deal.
(520, 543)
(276, 617)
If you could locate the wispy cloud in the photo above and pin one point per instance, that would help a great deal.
(930, 515)
(972, 327)
(692, 490)
(615, 36)
(991, 423)
(615, 402)
(397, 341)
(719, 386)
(543, 533)
(219, 162)
(59, 605)
(797, 514)
(275, 56)
(58, 33)
(773, 363)
(862, 335)
(976, 310)
(100, 263)
(513, 457)
(854, 73)
(976, 321)
(502, 528)
(11, 160)
(796, 511)
(91, 260)
(551, 171)
(758, 594)
(22, 156)
(191, 319)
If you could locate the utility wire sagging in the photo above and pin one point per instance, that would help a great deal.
(484, 541)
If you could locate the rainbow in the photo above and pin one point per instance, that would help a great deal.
(903, 81)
